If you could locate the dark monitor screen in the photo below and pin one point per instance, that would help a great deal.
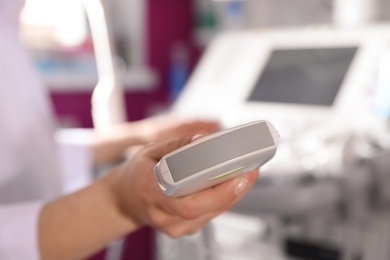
(303, 76)
(218, 150)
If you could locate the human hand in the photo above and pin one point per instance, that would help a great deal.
(78, 224)
(167, 126)
(112, 145)
(141, 200)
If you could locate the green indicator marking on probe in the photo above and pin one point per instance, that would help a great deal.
(226, 174)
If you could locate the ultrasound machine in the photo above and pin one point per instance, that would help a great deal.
(316, 85)
(313, 82)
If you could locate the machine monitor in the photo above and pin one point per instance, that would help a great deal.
(295, 78)
(303, 76)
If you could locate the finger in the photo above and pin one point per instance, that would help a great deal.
(159, 149)
(213, 199)
(253, 176)
(187, 227)
(132, 150)
(197, 137)
(171, 205)
(205, 127)
(161, 219)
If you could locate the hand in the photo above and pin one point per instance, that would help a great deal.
(79, 224)
(111, 146)
(167, 126)
(141, 200)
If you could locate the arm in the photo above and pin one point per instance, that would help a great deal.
(126, 199)
(77, 225)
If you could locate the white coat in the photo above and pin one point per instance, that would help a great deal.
(34, 164)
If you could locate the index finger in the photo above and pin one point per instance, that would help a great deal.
(157, 150)
(216, 198)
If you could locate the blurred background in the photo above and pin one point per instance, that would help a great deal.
(151, 37)
(331, 199)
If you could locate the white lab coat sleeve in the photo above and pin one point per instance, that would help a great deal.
(75, 157)
(19, 231)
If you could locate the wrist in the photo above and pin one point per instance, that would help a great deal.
(80, 223)
(111, 184)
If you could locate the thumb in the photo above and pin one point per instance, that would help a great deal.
(159, 149)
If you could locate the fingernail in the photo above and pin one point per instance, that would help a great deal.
(196, 137)
(241, 186)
